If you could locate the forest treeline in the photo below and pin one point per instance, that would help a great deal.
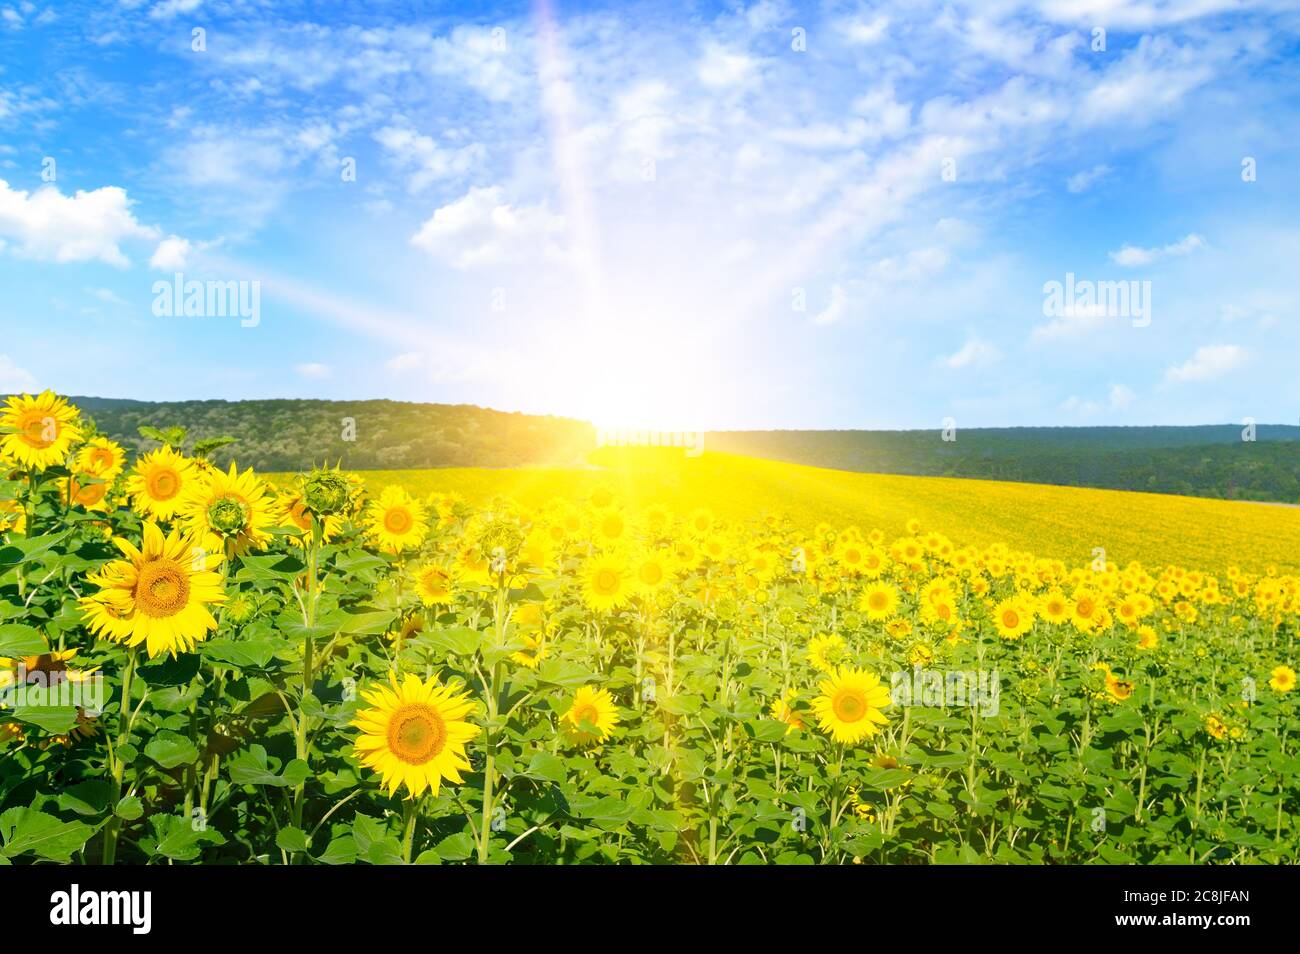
(281, 435)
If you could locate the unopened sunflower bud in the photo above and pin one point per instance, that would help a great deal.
(228, 515)
(326, 492)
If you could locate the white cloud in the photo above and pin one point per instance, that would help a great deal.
(87, 226)
(1121, 397)
(428, 161)
(1132, 256)
(1082, 181)
(973, 354)
(721, 67)
(313, 369)
(1209, 363)
(834, 309)
(172, 254)
(486, 61)
(482, 229)
(1075, 322)
(1151, 78)
(407, 361)
(106, 295)
(916, 265)
(863, 32)
(170, 8)
(13, 379)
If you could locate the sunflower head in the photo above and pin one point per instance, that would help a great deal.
(606, 584)
(592, 717)
(159, 595)
(37, 432)
(850, 707)
(415, 733)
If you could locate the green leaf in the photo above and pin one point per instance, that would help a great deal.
(242, 653)
(205, 447)
(26, 830)
(549, 767)
(291, 839)
(129, 808)
(19, 640)
(85, 798)
(171, 750)
(56, 720)
(457, 640)
(253, 767)
(456, 847)
(341, 851)
(766, 730)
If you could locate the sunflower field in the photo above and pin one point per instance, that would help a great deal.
(206, 666)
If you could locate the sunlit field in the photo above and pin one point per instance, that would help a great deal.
(656, 660)
(1065, 523)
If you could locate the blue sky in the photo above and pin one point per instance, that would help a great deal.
(689, 215)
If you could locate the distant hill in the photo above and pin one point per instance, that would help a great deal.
(280, 435)
(1203, 461)
(293, 434)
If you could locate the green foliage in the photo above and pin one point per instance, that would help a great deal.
(1206, 461)
(286, 435)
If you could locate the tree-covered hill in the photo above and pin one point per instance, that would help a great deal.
(1204, 461)
(279, 435)
(283, 435)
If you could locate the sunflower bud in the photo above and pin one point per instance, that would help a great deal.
(326, 492)
(228, 515)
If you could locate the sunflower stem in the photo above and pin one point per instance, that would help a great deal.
(114, 827)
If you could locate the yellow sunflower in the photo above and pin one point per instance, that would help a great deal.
(606, 584)
(1054, 607)
(159, 595)
(1013, 618)
(13, 519)
(416, 734)
(878, 601)
(826, 652)
(37, 432)
(158, 483)
(220, 508)
(782, 710)
(89, 493)
(534, 650)
(592, 716)
(652, 572)
(397, 520)
(851, 705)
(435, 585)
(100, 458)
(1282, 679)
(1147, 638)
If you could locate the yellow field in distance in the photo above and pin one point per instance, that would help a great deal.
(1062, 522)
